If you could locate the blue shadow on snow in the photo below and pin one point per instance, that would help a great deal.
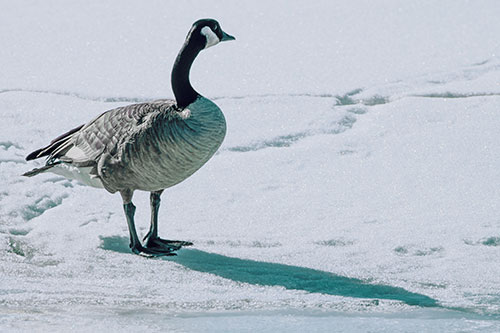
(289, 277)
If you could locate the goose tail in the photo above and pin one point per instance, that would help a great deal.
(55, 146)
(36, 171)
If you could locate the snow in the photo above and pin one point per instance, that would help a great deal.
(357, 188)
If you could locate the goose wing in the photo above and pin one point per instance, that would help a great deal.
(84, 145)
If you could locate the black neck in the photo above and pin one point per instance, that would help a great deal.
(183, 91)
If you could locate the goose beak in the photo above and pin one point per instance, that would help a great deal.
(226, 37)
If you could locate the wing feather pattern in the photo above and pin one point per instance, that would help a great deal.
(108, 133)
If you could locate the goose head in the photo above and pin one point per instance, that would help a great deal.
(203, 34)
(206, 33)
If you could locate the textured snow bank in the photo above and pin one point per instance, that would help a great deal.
(357, 184)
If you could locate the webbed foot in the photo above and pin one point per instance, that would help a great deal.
(158, 244)
(149, 252)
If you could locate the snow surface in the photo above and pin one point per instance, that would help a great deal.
(357, 188)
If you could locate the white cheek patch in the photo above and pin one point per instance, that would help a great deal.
(212, 38)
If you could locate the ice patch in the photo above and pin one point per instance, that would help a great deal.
(334, 242)
(278, 142)
(414, 250)
(491, 241)
(20, 247)
(488, 241)
(40, 205)
(7, 144)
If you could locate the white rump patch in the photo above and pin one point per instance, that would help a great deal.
(81, 174)
(212, 38)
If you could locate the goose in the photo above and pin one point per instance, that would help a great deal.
(148, 146)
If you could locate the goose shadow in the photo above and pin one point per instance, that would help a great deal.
(287, 276)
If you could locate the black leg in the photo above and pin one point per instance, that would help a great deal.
(152, 240)
(129, 214)
(154, 200)
(135, 243)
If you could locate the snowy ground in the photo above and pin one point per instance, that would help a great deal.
(357, 188)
